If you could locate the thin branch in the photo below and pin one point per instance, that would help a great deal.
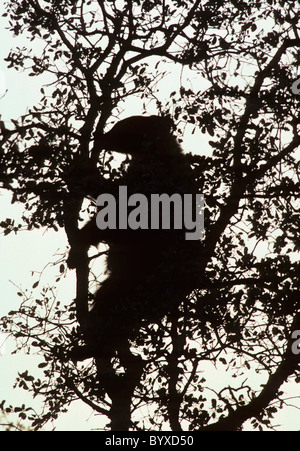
(240, 183)
(83, 398)
(288, 366)
(7, 134)
(175, 398)
(273, 161)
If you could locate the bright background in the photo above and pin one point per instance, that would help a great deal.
(24, 256)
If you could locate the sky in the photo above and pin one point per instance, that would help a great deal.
(29, 252)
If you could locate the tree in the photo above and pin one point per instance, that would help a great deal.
(241, 315)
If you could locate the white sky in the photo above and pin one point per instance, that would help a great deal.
(32, 251)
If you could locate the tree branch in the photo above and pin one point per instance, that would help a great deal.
(95, 407)
(288, 366)
(240, 183)
(175, 398)
(6, 133)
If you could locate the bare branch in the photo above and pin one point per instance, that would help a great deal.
(288, 366)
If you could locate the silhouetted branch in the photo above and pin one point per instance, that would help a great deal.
(289, 364)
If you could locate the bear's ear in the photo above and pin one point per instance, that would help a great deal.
(123, 136)
(167, 123)
(161, 124)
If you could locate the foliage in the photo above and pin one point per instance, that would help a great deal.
(239, 320)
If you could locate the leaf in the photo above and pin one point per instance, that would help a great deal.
(43, 365)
